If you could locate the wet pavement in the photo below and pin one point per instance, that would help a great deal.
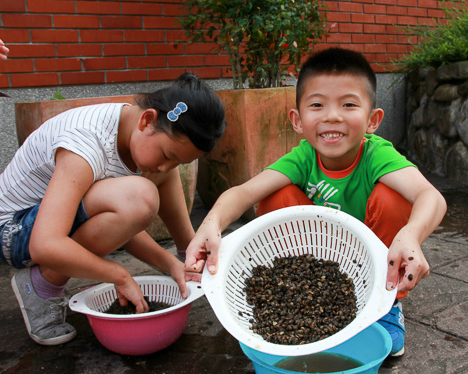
(436, 319)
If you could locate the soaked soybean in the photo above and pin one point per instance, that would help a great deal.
(300, 300)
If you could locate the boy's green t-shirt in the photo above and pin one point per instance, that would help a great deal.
(346, 190)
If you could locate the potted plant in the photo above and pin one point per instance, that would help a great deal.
(262, 38)
(265, 41)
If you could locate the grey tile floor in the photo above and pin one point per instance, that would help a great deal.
(436, 319)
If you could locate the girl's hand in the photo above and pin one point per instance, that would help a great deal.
(178, 273)
(406, 262)
(131, 291)
(204, 248)
(143, 247)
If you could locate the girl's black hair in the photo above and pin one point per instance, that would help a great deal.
(203, 122)
(337, 61)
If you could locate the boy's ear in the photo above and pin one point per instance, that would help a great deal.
(147, 118)
(295, 119)
(375, 119)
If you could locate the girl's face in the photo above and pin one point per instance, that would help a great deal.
(334, 114)
(156, 152)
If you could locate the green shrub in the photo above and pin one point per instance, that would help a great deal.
(257, 35)
(445, 42)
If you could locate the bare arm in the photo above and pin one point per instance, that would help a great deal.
(173, 208)
(143, 247)
(228, 208)
(173, 211)
(429, 207)
(50, 244)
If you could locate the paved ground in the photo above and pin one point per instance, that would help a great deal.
(436, 319)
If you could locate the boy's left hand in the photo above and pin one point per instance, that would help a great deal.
(406, 262)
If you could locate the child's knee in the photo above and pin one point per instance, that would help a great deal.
(142, 200)
(386, 213)
(291, 195)
(389, 204)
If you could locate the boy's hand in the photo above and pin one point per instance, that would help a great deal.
(131, 291)
(204, 248)
(406, 262)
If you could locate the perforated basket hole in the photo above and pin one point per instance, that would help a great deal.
(101, 301)
(161, 292)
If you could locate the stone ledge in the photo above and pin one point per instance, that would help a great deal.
(438, 120)
(457, 70)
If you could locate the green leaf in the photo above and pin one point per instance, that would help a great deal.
(57, 95)
(444, 43)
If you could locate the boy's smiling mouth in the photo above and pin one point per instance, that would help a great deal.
(331, 135)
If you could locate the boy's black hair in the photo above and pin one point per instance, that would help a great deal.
(203, 122)
(336, 61)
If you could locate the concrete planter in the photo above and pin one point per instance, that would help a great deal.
(30, 115)
(258, 132)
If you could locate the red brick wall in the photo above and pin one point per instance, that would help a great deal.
(70, 42)
(371, 26)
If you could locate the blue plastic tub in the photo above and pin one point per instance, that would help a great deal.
(371, 346)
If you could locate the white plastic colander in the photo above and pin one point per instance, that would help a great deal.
(323, 232)
(96, 300)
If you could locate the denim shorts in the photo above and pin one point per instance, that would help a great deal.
(15, 235)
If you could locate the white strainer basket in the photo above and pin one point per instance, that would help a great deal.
(323, 232)
(96, 300)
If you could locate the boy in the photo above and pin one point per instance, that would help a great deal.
(342, 165)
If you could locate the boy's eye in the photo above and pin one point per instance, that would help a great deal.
(316, 105)
(349, 105)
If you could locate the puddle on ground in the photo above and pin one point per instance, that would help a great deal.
(456, 218)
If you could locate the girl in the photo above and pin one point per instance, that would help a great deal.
(74, 193)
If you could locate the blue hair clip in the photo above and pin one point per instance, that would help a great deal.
(174, 114)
